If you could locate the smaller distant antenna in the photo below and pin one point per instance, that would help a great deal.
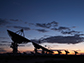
(66, 52)
(76, 51)
(59, 52)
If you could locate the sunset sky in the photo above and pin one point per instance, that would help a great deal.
(59, 24)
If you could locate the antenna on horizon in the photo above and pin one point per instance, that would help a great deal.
(66, 52)
(76, 52)
(59, 52)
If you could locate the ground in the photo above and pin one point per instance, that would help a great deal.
(41, 58)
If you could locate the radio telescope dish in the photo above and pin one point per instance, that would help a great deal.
(17, 38)
(37, 46)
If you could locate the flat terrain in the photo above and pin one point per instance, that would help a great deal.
(7, 58)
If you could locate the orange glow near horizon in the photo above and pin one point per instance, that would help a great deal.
(71, 48)
(21, 50)
(71, 53)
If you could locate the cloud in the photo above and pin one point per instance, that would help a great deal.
(73, 26)
(55, 29)
(79, 34)
(55, 45)
(43, 25)
(51, 46)
(14, 20)
(31, 24)
(2, 50)
(60, 39)
(54, 24)
(64, 39)
(4, 38)
(21, 45)
(9, 26)
(47, 25)
(3, 21)
(35, 40)
(4, 44)
(70, 32)
(63, 28)
(19, 27)
(42, 30)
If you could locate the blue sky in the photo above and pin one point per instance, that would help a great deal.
(17, 14)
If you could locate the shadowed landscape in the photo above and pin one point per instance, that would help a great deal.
(9, 58)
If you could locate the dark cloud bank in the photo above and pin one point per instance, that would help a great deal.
(62, 39)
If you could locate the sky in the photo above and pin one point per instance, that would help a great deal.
(58, 24)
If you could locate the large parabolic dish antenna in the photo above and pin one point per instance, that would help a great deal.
(17, 38)
(37, 46)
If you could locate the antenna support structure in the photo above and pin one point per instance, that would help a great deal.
(14, 45)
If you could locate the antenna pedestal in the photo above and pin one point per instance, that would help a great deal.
(35, 50)
(14, 46)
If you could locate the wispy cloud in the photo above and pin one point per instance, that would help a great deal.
(63, 28)
(42, 30)
(47, 25)
(2, 50)
(4, 38)
(73, 26)
(4, 44)
(70, 32)
(43, 25)
(3, 21)
(35, 40)
(55, 29)
(19, 27)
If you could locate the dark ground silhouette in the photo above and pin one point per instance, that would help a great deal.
(26, 58)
